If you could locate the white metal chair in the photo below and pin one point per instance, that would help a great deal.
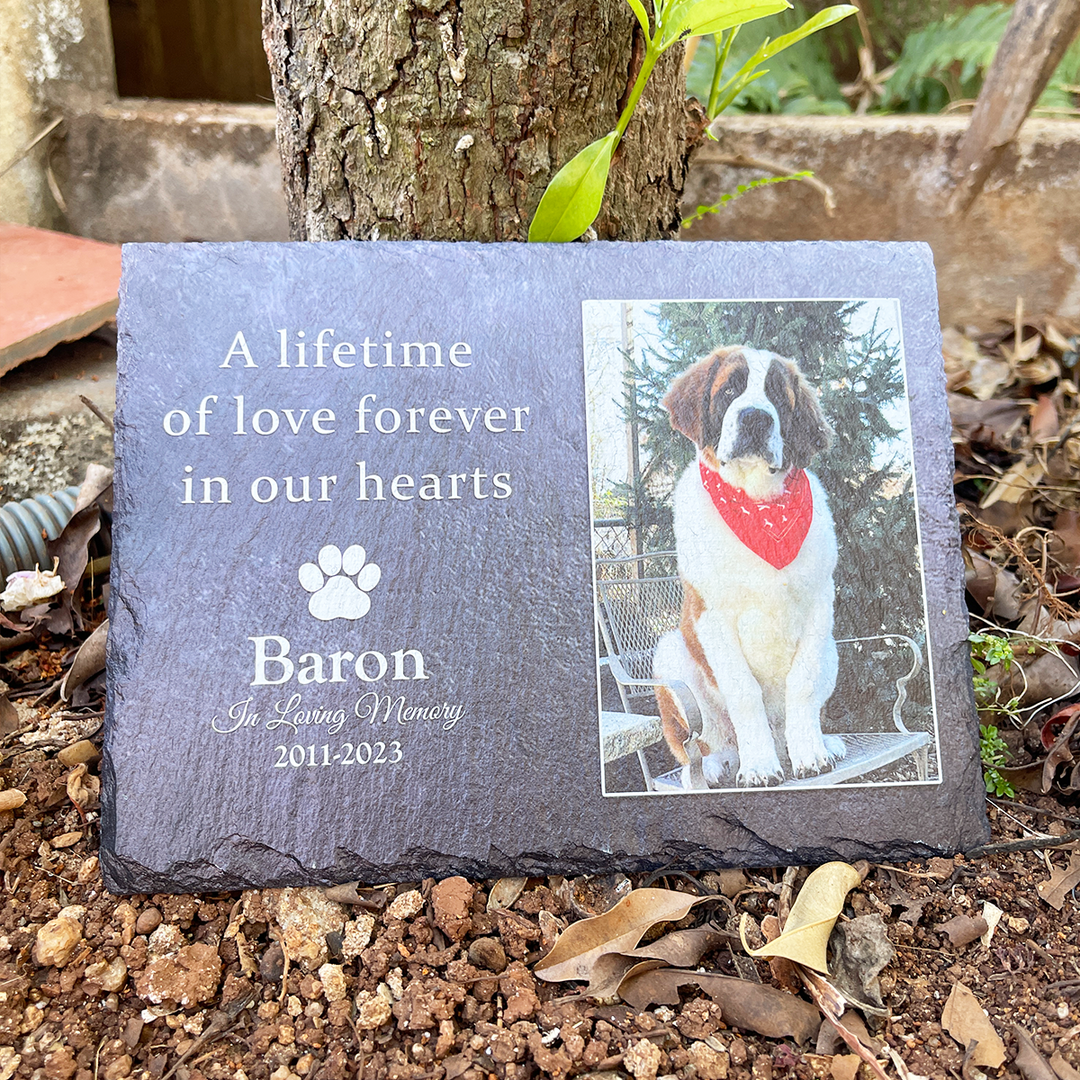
(639, 598)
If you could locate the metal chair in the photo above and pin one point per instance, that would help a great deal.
(639, 598)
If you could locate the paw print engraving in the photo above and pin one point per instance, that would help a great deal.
(334, 592)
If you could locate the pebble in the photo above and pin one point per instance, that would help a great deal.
(357, 936)
(487, 952)
(57, 941)
(11, 799)
(80, 753)
(149, 920)
(188, 977)
(305, 917)
(332, 977)
(406, 905)
(642, 1059)
(109, 976)
(118, 1068)
(451, 902)
(708, 1063)
(372, 1010)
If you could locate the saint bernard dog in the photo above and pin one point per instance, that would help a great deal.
(756, 553)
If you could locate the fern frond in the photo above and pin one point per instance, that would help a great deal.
(954, 52)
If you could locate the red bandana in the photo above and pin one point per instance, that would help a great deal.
(773, 530)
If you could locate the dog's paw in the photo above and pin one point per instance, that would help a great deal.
(335, 593)
(836, 748)
(762, 772)
(820, 757)
(719, 767)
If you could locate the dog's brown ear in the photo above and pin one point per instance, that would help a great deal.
(690, 396)
(805, 430)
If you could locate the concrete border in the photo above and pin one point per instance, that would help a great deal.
(143, 170)
(891, 180)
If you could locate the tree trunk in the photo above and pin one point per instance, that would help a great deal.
(446, 121)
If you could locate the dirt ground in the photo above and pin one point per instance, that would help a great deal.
(437, 980)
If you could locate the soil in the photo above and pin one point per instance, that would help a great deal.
(436, 979)
(422, 980)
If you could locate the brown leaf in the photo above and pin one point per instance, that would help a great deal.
(813, 915)
(1029, 1061)
(750, 1006)
(680, 948)
(963, 929)
(82, 789)
(1062, 881)
(993, 423)
(1065, 539)
(997, 591)
(1044, 419)
(617, 930)
(829, 1000)
(1064, 1070)
(963, 1018)
(504, 892)
(9, 716)
(95, 488)
(89, 660)
(860, 949)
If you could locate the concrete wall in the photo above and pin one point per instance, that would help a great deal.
(55, 60)
(168, 170)
(134, 169)
(890, 177)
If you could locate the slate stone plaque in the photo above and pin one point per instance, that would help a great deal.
(380, 508)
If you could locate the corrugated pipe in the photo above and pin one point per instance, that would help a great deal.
(26, 527)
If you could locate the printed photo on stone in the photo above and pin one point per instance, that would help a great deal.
(760, 601)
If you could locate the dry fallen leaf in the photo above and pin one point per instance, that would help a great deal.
(991, 914)
(1063, 1069)
(680, 948)
(750, 1006)
(504, 892)
(9, 716)
(89, 660)
(1029, 1061)
(617, 930)
(1014, 483)
(1044, 419)
(963, 929)
(861, 949)
(82, 789)
(813, 915)
(963, 1018)
(1061, 882)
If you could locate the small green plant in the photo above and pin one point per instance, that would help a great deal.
(987, 651)
(994, 753)
(572, 199)
(742, 189)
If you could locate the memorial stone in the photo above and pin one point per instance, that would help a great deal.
(365, 611)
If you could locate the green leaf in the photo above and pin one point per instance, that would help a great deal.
(742, 189)
(572, 199)
(639, 11)
(711, 16)
(822, 19)
(746, 74)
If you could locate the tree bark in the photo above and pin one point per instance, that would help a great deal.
(446, 121)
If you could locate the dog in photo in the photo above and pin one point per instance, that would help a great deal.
(756, 553)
